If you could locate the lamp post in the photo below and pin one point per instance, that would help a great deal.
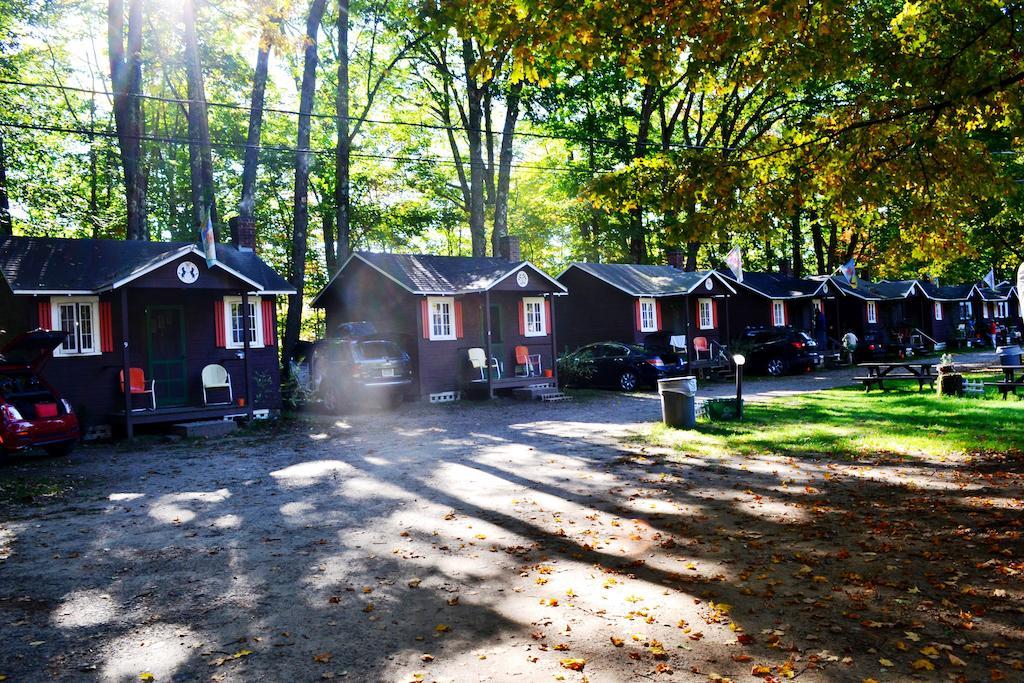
(739, 360)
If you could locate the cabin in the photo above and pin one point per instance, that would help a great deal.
(775, 300)
(660, 306)
(439, 308)
(154, 310)
(1001, 303)
(862, 309)
(943, 309)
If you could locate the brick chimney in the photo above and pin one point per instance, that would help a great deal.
(508, 248)
(243, 233)
(676, 258)
(784, 268)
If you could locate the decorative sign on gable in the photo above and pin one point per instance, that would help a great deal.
(188, 273)
(522, 278)
(709, 285)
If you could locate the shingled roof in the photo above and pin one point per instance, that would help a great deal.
(440, 275)
(945, 292)
(1002, 292)
(647, 280)
(777, 286)
(33, 265)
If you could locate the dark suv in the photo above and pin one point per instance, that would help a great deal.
(779, 350)
(357, 367)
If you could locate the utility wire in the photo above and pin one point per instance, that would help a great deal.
(384, 122)
(280, 148)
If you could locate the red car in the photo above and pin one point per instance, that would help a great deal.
(32, 414)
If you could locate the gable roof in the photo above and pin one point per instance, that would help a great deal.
(776, 285)
(945, 292)
(647, 280)
(56, 265)
(427, 274)
(1002, 292)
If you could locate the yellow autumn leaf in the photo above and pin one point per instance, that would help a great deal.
(923, 665)
(442, 628)
(573, 664)
(144, 676)
(617, 642)
(885, 662)
(955, 661)
(929, 651)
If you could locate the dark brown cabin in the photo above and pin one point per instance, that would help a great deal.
(775, 300)
(157, 306)
(1001, 303)
(644, 304)
(437, 308)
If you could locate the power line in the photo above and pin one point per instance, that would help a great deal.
(280, 148)
(383, 122)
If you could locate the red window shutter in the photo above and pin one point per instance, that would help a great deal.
(269, 322)
(696, 320)
(106, 328)
(458, 320)
(522, 318)
(657, 312)
(639, 317)
(714, 314)
(425, 314)
(785, 313)
(45, 317)
(547, 315)
(218, 324)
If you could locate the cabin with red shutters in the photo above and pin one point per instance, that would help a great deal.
(776, 300)
(661, 307)
(440, 308)
(154, 307)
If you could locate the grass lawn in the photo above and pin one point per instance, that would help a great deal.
(850, 422)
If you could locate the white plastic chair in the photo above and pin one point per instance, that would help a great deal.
(478, 359)
(216, 377)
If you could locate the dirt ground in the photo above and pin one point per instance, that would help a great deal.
(500, 542)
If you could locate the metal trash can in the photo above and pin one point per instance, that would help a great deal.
(1009, 355)
(678, 401)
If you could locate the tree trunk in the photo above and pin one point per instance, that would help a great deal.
(200, 154)
(474, 96)
(343, 152)
(251, 162)
(505, 167)
(6, 226)
(126, 82)
(833, 239)
(303, 157)
(819, 243)
(798, 243)
(638, 238)
(691, 255)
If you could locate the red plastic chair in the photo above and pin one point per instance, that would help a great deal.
(700, 345)
(139, 384)
(529, 363)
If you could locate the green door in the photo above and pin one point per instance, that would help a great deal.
(165, 336)
(497, 337)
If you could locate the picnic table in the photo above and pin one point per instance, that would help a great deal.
(878, 372)
(1013, 379)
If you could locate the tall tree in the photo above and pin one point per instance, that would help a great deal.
(125, 54)
(303, 156)
(250, 163)
(343, 151)
(6, 227)
(200, 154)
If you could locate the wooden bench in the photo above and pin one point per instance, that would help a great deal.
(1006, 388)
(872, 380)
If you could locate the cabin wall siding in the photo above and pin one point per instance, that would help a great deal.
(593, 311)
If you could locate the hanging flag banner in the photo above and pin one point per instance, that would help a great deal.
(849, 271)
(1020, 288)
(990, 279)
(735, 262)
(209, 242)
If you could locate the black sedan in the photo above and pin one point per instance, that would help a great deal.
(779, 350)
(620, 366)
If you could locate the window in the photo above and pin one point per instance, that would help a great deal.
(533, 312)
(816, 305)
(706, 308)
(938, 310)
(1003, 309)
(648, 315)
(235, 323)
(442, 317)
(872, 312)
(79, 317)
(966, 310)
(984, 310)
(778, 313)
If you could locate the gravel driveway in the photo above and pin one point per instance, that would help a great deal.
(459, 542)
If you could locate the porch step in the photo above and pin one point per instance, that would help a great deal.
(538, 392)
(205, 429)
(554, 397)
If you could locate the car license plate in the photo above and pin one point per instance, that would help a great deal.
(387, 372)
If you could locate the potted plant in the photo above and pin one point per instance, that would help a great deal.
(950, 382)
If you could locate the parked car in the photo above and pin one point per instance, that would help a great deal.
(620, 366)
(357, 367)
(779, 350)
(32, 413)
(874, 346)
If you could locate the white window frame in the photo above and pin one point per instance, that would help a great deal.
(706, 310)
(535, 322)
(1002, 309)
(816, 305)
(984, 310)
(872, 313)
(648, 315)
(778, 313)
(441, 330)
(937, 310)
(93, 303)
(256, 323)
(968, 309)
